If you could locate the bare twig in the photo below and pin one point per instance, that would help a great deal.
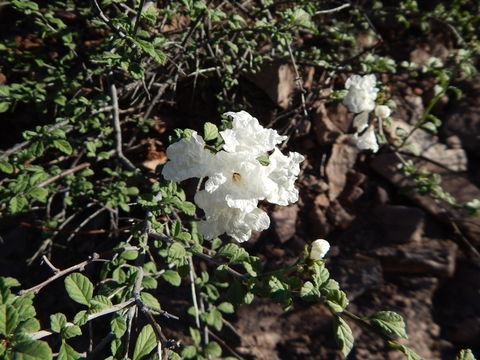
(159, 311)
(59, 274)
(85, 222)
(50, 265)
(338, 8)
(225, 345)
(194, 292)
(117, 129)
(63, 174)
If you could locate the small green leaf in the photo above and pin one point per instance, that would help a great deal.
(8, 319)
(79, 288)
(264, 160)
(149, 299)
(196, 336)
(6, 167)
(25, 311)
(17, 204)
(226, 308)
(32, 350)
(28, 326)
(176, 251)
(57, 322)
(430, 127)
(309, 292)
(100, 302)
(118, 325)
(149, 282)
(228, 250)
(129, 254)
(410, 354)
(39, 193)
(4, 106)
(390, 321)
(344, 335)
(70, 331)
(187, 207)
(337, 300)
(213, 349)
(146, 342)
(189, 352)
(66, 352)
(81, 318)
(210, 131)
(63, 145)
(172, 277)
(9, 282)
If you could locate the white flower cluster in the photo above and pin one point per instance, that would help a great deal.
(360, 99)
(236, 180)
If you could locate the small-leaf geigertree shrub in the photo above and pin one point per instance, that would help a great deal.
(90, 84)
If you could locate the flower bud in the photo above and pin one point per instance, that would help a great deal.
(319, 248)
(382, 111)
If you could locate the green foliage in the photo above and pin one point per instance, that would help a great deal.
(390, 322)
(344, 335)
(79, 288)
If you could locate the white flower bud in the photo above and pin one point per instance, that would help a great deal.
(319, 248)
(382, 111)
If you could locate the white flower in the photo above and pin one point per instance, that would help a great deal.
(188, 158)
(382, 111)
(220, 218)
(367, 141)
(283, 171)
(361, 93)
(236, 180)
(319, 248)
(247, 135)
(239, 180)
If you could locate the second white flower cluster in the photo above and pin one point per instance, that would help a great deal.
(236, 180)
(360, 100)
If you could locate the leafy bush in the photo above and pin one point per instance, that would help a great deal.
(89, 75)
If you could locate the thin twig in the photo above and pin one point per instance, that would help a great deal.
(338, 8)
(159, 311)
(50, 265)
(59, 274)
(194, 292)
(85, 222)
(225, 345)
(64, 173)
(117, 129)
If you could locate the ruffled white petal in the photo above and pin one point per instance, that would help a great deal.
(283, 171)
(247, 135)
(367, 141)
(188, 158)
